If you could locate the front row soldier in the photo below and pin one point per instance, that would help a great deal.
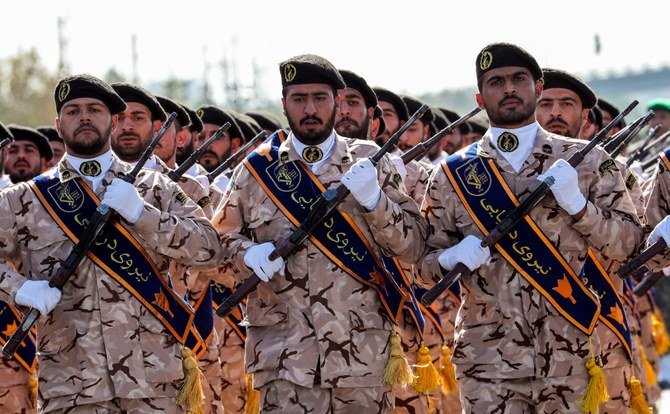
(111, 341)
(318, 331)
(524, 338)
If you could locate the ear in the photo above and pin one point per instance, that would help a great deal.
(539, 86)
(373, 129)
(371, 113)
(283, 106)
(479, 99)
(182, 137)
(57, 124)
(235, 144)
(156, 126)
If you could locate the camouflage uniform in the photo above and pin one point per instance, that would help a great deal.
(15, 396)
(513, 348)
(100, 344)
(303, 329)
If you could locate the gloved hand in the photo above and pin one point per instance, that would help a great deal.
(124, 199)
(469, 252)
(662, 230)
(221, 182)
(565, 187)
(37, 294)
(361, 180)
(256, 258)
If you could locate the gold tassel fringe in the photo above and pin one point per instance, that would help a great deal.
(649, 373)
(253, 397)
(637, 402)
(448, 371)
(660, 333)
(426, 377)
(190, 394)
(397, 371)
(32, 386)
(596, 391)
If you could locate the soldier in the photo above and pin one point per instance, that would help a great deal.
(357, 106)
(437, 154)
(478, 128)
(609, 112)
(454, 141)
(56, 143)
(661, 108)
(28, 155)
(111, 342)
(268, 121)
(592, 125)
(564, 104)
(317, 333)
(420, 130)
(185, 150)
(523, 334)
(394, 112)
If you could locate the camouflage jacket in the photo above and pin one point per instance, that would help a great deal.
(100, 342)
(505, 328)
(317, 324)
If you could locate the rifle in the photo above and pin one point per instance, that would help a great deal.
(321, 209)
(100, 218)
(647, 282)
(645, 145)
(233, 158)
(522, 210)
(5, 142)
(642, 258)
(636, 126)
(423, 147)
(178, 172)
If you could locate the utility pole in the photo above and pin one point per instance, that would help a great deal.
(63, 67)
(133, 46)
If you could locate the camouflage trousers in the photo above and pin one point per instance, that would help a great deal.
(164, 405)
(617, 379)
(522, 395)
(280, 396)
(409, 402)
(16, 399)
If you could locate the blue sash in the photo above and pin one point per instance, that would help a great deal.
(293, 188)
(487, 198)
(10, 319)
(412, 306)
(612, 311)
(71, 204)
(203, 324)
(234, 318)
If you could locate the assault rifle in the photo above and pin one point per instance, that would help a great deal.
(320, 211)
(646, 145)
(100, 218)
(178, 172)
(5, 142)
(233, 158)
(635, 128)
(522, 210)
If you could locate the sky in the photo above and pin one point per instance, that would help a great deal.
(412, 47)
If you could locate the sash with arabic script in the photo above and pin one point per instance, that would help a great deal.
(203, 324)
(293, 188)
(10, 319)
(612, 311)
(234, 318)
(412, 306)
(487, 198)
(71, 204)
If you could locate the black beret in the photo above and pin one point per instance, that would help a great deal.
(596, 116)
(452, 116)
(134, 93)
(303, 69)
(22, 133)
(606, 106)
(440, 122)
(498, 55)
(266, 120)
(50, 132)
(396, 101)
(247, 125)
(413, 105)
(210, 114)
(4, 132)
(354, 81)
(379, 114)
(87, 86)
(556, 78)
(170, 106)
(478, 126)
(196, 123)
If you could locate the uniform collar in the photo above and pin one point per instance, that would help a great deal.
(66, 171)
(340, 153)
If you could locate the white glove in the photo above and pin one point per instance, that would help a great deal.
(124, 199)
(204, 182)
(469, 252)
(662, 230)
(221, 182)
(37, 294)
(565, 187)
(361, 180)
(256, 258)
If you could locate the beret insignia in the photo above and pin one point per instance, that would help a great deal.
(289, 72)
(63, 91)
(486, 60)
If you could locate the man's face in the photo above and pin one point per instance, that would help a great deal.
(607, 118)
(589, 130)
(560, 111)
(392, 122)
(662, 118)
(353, 118)
(166, 149)
(219, 150)
(23, 161)
(416, 133)
(452, 142)
(508, 94)
(59, 149)
(310, 110)
(184, 151)
(135, 132)
(85, 124)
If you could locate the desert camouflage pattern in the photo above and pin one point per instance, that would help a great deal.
(100, 343)
(14, 391)
(317, 326)
(163, 405)
(645, 307)
(233, 377)
(505, 329)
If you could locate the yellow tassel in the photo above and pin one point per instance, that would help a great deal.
(253, 397)
(426, 377)
(637, 402)
(596, 391)
(190, 394)
(32, 386)
(397, 371)
(660, 333)
(448, 371)
(649, 373)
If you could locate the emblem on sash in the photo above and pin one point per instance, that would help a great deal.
(68, 196)
(90, 168)
(312, 154)
(508, 142)
(285, 179)
(475, 177)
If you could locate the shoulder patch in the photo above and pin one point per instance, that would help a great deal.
(630, 181)
(204, 201)
(607, 165)
(547, 149)
(397, 178)
(180, 198)
(346, 159)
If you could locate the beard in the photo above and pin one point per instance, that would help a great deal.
(89, 145)
(506, 117)
(131, 151)
(210, 159)
(25, 173)
(184, 152)
(353, 131)
(313, 137)
(561, 127)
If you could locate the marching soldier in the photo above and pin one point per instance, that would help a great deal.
(56, 143)
(524, 331)
(266, 120)
(28, 155)
(111, 341)
(609, 112)
(184, 151)
(661, 108)
(317, 332)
